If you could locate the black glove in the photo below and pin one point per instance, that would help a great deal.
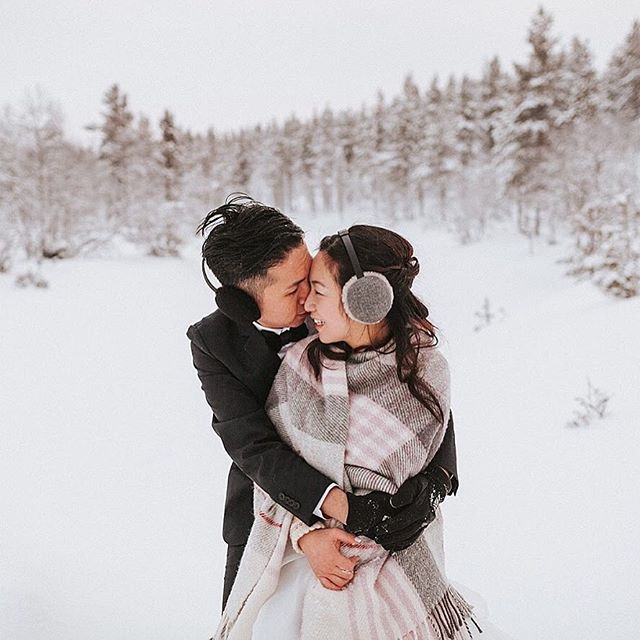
(415, 502)
(367, 511)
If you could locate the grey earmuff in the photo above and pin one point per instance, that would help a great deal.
(367, 297)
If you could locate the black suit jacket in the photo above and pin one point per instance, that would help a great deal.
(236, 368)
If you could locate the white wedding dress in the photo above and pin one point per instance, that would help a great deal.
(280, 616)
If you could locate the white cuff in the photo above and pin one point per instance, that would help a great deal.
(318, 510)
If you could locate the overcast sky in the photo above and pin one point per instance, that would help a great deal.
(237, 62)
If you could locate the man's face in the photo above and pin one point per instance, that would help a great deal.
(281, 302)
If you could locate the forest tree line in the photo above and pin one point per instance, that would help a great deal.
(549, 144)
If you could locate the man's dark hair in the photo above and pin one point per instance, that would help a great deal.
(245, 239)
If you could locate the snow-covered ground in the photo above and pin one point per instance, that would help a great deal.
(112, 481)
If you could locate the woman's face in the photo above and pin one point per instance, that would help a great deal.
(324, 302)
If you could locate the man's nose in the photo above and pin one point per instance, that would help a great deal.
(304, 291)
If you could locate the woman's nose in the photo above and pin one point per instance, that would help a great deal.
(308, 303)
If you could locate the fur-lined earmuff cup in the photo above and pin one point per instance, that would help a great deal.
(367, 299)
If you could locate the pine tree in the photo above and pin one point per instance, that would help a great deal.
(287, 154)
(380, 143)
(622, 77)
(467, 131)
(308, 164)
(494, 93)
(539, 112)
(438, 141)
(607, 245)
(324, 148)
(407, 146)
(241, 161)
(116, 148)
(348, 148)
(170, 152)
(582, 83)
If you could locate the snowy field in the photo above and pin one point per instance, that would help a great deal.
(112, 481)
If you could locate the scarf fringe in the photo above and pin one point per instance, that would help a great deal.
(449, 617)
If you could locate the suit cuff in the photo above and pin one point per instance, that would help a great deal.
(318, 511)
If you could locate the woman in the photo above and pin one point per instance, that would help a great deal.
(366, 401)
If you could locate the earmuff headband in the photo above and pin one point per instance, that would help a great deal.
(351, 252)
(235, 303)
(206, 277)
(367, 296)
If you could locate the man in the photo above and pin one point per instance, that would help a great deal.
(262, 262)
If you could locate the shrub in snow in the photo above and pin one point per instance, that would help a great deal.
(607, 245)
(31, 279)
(157, 227)
(486, 315)
(6, 254)
(165, 241)
(591, 407)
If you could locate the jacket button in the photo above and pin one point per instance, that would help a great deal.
(281, 496)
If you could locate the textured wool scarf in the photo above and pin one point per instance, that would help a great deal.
(361, 409)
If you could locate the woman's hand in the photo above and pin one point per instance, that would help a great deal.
(321, 547)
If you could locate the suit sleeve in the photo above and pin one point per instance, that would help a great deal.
(251, 440)
(446, 455)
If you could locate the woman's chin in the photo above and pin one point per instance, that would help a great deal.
(327, 338)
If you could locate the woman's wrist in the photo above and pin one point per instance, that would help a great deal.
(300, 532)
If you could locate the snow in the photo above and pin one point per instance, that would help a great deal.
(112, 481)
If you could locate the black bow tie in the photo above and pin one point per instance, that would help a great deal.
(277, 340)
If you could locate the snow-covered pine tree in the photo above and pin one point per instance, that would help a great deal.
(607, 245)
(115, 151)
(152, 221)
(494, 97)
(468, 136)
(241, 161)
(288, 158)
(495, 109)
(345, 158)
(407, 144)
(324, 149)
(439, 142)
(9, 187)
(308, 164)
(622, 77)
(379, 137)
(469, 217)
(582, 86)
(577, 148)
(537, 115)
(171, 156)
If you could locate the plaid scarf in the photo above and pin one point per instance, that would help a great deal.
(360, 426)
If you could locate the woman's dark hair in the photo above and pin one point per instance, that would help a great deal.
(385, 252)
(245, 239)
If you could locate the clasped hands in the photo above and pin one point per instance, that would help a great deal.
(393, 521)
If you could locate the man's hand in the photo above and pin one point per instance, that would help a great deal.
(321, 547)
(368, 511)
(415, 505)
